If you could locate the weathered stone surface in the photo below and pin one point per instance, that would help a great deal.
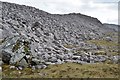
(16, 58)
(40, 66)
(115, 59)
(6, 57)
(12, 67)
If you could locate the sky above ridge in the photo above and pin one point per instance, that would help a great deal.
(105, 10)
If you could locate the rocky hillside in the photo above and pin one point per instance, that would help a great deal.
(35, 38)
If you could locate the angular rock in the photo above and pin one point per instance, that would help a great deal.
(6, 57)
(16, 58)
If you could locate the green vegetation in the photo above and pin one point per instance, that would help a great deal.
(16, 46)
(108, 47)
(0, 74)
(103, 52)
(104, 43)
(100, 52)
(26, 49)
(1, 41)
(114, 53)
(66, 70)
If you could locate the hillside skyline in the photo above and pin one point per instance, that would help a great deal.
(105, 10)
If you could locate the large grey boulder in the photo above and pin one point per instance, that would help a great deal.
(6, 56)
(23, 63)
(17, 58)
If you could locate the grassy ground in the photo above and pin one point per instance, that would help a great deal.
(70, 70)
(0, 75)
(66, 70)
(110, 47)
(104, 43)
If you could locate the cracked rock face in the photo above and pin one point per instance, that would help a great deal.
(32, 37)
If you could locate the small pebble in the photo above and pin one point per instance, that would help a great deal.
(12, 67)
(19, 72)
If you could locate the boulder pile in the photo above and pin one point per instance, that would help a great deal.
(34, 38)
